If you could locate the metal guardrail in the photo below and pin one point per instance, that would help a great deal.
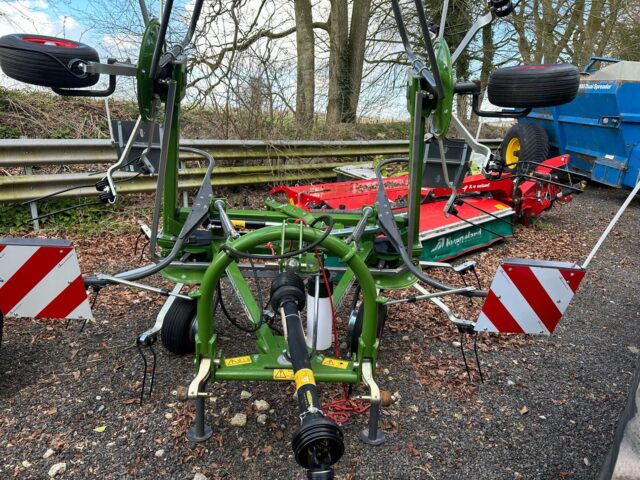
(30, 153)
(16, 153)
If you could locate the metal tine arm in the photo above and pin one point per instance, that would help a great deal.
(428, 44)
(144, 11)
(415, 62)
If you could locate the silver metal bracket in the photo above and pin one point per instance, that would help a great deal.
(196, 387)
(443, 306)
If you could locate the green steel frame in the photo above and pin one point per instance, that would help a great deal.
(357, 257)
(281, 225)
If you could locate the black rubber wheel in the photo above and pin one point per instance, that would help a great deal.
(46, 61)
(533, 86)
(357, 329)
(525, 142)
(177, 332)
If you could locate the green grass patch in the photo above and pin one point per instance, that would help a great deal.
(91, 220)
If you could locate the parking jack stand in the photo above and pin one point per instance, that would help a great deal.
(373, 435)
(200, 431)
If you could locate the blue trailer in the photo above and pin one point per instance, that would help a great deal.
(600, 128)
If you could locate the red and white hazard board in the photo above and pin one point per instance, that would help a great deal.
(40, 278)
(529, 296)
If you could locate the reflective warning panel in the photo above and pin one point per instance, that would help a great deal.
(529, 296)
(40, 278)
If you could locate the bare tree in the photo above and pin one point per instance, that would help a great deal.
(551, 30)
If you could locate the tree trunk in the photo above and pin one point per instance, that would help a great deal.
(346, 59)
(338, 61)
(357, 44)
(306, 64)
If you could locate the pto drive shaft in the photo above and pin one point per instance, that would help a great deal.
(318, 443)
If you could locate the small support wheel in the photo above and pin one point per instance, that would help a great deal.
(533, 86)
(47, 61)
(178, 328)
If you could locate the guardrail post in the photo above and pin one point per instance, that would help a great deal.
(33, 206)
(185, 194)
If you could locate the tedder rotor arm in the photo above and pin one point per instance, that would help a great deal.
(160, 59)
(434, 85)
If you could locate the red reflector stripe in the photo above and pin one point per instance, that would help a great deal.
(499, 315)
(573, 278)
(66, 302)
(535, 295)
(29, 275)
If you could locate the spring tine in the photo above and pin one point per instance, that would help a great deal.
(84, 324)
(475, 349)
(473, 269)
(66, 327)
(153, 369)
(466, 284)
(144, 375)
(464, 357)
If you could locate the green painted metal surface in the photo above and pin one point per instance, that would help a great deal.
(469, 238)
(171, 227)
(444, 108)
(416, 89)
(206, 336)
(145, 86)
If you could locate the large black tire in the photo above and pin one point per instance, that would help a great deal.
(533, 86)
(525, 142)
(45, 61)
(177, 332)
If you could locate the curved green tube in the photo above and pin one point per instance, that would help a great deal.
(205, 338)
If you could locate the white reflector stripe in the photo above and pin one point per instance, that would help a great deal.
(484, 324)
(82, 312)
(516, 304)
(12, 257)
(48, 288)
(555, 285)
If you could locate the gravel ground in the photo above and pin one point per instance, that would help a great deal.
(547, 409)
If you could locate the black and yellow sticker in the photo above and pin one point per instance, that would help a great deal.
(238, 223)
(283, 374)
(303, 377)
(235, 361)
(334, 362)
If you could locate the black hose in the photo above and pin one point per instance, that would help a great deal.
(62, 210)
(258, 256)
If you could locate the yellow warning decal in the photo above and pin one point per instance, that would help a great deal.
(235, 361)
(238, 223)
(303, 377)
(500, 206)
(334, 362)
(283, 374)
